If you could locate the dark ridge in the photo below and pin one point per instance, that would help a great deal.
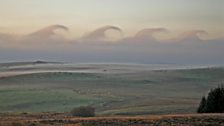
(8, 64)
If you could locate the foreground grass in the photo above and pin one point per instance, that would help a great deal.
(66, 120)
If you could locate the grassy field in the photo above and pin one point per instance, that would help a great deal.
(111, 89)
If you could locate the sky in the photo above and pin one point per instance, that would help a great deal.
(83, 15)
(42, 25)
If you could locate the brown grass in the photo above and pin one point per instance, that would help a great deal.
(47, 119)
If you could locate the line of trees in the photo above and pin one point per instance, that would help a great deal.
(214, 102)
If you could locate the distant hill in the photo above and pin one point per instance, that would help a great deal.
(10, 64)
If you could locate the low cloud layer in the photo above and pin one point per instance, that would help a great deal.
(143, 47)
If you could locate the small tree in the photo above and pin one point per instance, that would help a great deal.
(214, 102)
(84, 111)
(202, 105)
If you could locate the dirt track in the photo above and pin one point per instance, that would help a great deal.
(155, 120)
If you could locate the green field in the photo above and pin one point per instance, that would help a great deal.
(113, 91)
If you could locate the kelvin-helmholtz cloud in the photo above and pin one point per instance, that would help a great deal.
(149, 33)
(48, 32)
(99, 34)
(49, 44)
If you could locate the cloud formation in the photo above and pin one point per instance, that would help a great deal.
(99, 34)
(190, 35)
(149, 33)
(143, 47)
(48, 32)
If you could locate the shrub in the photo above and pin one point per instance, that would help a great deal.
(84, 111)
(214, 103)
